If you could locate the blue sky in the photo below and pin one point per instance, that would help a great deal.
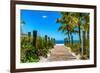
(44, 22)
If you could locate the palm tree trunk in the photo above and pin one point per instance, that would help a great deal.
(69, 36)
(80, 37)
(87, 34)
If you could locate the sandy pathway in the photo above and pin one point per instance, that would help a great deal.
(60, 53)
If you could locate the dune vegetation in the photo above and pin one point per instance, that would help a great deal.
(33, 47)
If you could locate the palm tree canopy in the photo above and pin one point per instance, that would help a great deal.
(71, 20)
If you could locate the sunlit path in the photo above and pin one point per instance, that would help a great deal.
(60, 53)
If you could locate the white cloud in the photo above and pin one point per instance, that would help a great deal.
(44, 16)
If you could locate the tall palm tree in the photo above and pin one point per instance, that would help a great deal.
(85, 28)
(68, 23)
(85, 23)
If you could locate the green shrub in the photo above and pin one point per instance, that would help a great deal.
(30, 55)
(75, 47)
(42, 47)
(28, 52)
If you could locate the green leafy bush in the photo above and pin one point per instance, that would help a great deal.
(75, 47)
(30, 53)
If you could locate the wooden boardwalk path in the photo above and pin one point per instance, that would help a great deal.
(60, 53)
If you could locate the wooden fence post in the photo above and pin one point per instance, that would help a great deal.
(54, 41)
(34, 38)
(46, 41)
(48, 38)
(29, 36)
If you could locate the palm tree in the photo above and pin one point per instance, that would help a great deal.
(85, 23)
(68, 23)
(85, 28)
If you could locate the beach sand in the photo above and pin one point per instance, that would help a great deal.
(60, 53)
